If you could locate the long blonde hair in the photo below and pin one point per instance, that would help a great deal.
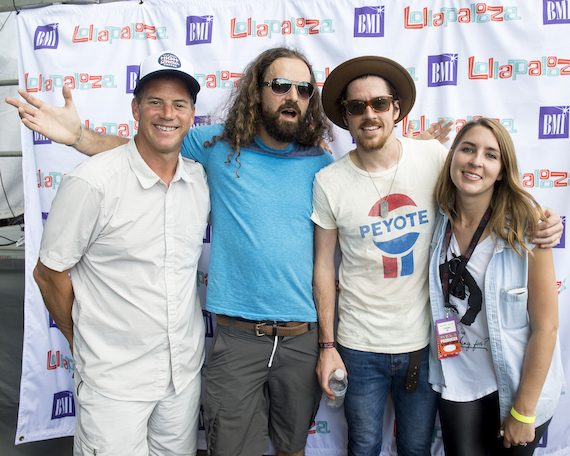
(514, 209)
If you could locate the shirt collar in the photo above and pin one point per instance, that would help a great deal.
(146, 176)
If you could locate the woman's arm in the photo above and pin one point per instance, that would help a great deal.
(543, 315)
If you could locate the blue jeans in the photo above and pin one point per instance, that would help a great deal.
(370, 377)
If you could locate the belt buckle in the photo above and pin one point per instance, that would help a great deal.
(257, 326)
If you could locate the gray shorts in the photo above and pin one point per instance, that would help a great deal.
(246, 401)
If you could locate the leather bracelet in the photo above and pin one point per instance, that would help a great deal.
(326, 344)
(523, 419)
(80, 138)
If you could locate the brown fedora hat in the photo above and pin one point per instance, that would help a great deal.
(346, 72)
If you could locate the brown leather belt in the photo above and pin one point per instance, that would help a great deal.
(288, 328)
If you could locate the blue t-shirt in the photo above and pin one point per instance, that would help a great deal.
(261, 257)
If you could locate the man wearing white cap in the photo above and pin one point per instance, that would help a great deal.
(127, 226)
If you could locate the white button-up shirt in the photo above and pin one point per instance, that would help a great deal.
(132, 244)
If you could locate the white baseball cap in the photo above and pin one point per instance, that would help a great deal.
(167, 63)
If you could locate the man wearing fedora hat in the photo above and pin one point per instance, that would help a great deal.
(378, 202)
(127, 226)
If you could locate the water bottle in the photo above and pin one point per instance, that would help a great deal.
(338, 383)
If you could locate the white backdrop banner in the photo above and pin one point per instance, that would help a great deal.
(500, 58)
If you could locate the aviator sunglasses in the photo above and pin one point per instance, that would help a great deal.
(281, 86)
(357, 107)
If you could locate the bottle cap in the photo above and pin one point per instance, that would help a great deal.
(339, 374)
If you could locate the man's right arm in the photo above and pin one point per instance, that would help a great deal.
(324, 284)
(62, 125)
(58, 296)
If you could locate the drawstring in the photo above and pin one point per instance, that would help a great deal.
(273, 352)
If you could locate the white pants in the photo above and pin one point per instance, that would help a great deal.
(166, 427)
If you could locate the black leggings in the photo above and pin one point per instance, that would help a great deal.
(471, 429)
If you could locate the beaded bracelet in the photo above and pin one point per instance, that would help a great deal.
(326, 344)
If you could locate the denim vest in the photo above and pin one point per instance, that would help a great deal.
(508, 323)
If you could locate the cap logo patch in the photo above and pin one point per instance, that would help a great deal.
(169, 60)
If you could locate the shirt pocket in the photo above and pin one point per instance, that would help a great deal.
(514, 312)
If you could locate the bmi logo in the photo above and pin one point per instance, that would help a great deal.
(40, 139)
(369, 21)
(46, 37)
(562, 244)
(553, 122)
(199, 29)
(555, 11)
(442, 70)
(63, 405)
(132, 76)
(208, 322)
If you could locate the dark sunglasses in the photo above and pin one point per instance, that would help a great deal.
(281, 86)
(459, 289)
(357, 107)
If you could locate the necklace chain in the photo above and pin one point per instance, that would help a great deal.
(384, 203)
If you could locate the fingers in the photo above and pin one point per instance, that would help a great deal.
(66, 92)
(35, 102)
(410, 130)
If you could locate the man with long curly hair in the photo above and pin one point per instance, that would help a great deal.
(261, 163)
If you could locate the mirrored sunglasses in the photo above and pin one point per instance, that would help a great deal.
(281, 86)
(357, 107)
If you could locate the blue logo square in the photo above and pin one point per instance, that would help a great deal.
(553, 122)
(63, 405)
(199, 29)
(442, 70)
(132, 75)
(46, 37)
(555, 12)
(369, 21)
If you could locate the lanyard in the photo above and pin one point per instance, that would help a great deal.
(462, 260)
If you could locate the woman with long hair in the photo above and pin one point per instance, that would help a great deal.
(494, 352)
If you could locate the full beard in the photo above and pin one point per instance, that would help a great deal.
(279, 129)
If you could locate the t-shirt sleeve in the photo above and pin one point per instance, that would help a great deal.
(193, 144)
(322, 212)
(73, 223)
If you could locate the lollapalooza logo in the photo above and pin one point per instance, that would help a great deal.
(57, 360)
(442, 70)
(551, 66)
(369, 21)
(133, 31)
(423, 123)
(199, 29)
(80, 81)
(394, 256)
(545, 179)
(295, 26)
(555, 12)
(553, 122)
(477, 12)
(63, 405)
(46, 37)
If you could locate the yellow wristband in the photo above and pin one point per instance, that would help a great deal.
(523, 419)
